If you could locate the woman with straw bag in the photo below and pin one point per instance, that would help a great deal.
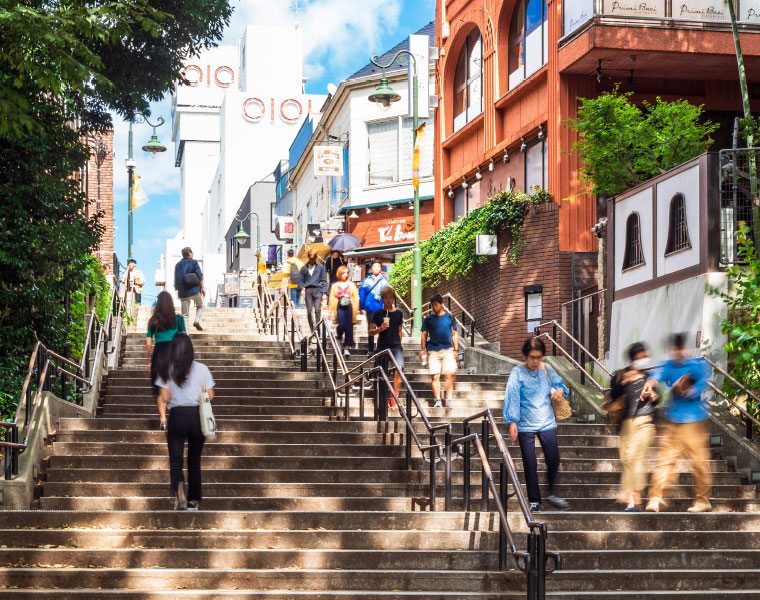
(183, 381)
(534, 400)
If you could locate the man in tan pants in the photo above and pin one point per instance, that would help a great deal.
(687, 433)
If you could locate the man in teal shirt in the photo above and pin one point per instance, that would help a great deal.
(687, 433)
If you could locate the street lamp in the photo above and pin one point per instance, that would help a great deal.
(384, 96)
(242, 235)
(154, 147)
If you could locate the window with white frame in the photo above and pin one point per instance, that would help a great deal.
(468, 80)
(391, 151)
(528, 40)
(536, 167)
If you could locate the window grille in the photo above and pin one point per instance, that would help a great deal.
(678, 232)
(735, 200)
(634, 252)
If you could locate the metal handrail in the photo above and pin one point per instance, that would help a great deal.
(534, 560)
(41, 361)
(426, 309)
(582, 297)
(746, 414)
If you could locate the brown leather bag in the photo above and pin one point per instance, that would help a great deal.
(562, 409)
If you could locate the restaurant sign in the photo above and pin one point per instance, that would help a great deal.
(634, 8)
(397, 230)
(700, 10)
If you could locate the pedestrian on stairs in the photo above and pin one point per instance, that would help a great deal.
(440, 346)
(182, 380)
(369, 299)
(188, 281)
(344, 308)
(163, 325)
(313, 288)
(388, 325)
(637, 430)
(687, 433)
(291, 277)
(529, 415)
(334, 262)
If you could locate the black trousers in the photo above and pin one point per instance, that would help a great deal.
(370, 325)
(314, 302)
(159, 355)
(548, 441)
(185, 424)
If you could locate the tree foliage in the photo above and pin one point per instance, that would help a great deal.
(64, 67)
(742, 326)
(621, 145)
(450, 252)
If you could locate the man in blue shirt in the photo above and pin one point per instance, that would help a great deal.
(440, 346)
(687, 433)
(188, 281)
(370, 300)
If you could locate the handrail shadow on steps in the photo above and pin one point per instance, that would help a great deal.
(45, 364)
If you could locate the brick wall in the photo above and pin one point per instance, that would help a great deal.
(100, 195)
(493, 293)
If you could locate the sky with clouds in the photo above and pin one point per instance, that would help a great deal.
(339, 37)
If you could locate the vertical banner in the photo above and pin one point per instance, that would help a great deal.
(416, 156)
(419, 46)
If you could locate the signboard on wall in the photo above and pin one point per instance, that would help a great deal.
(419, 46)
(749, 11)
(575, 14)
(328, 161)
(700, 10)
(397, 230)
(635, 8)
(285, 228)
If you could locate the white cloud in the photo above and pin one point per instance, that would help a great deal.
(333, 30)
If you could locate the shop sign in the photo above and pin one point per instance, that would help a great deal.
(634, 8)
(396, 230)
(195, 75)
(701, 10)
(289, 110)
(576, 13)
(749, 11)
(328, 161)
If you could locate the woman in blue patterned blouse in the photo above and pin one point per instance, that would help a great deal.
(529, 414)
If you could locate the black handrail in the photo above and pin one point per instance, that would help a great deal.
(532, 562)
(43, 364)
(751, 420)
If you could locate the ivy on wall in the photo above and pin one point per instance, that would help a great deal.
(450, 252)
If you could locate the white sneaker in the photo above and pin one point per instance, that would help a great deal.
(437, 404)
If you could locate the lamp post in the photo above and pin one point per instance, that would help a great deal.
(154, 147)
(384, 96)
(242, 236)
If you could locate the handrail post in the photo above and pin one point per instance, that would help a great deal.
(472, 333)
(304, 353)
(408, 441)
(504, 498)
(532, 571)
(361, 394)
(554, 337)
(749, 429)
(541, 564)
(486, 434)
(466, 466)
(348, 398)
(447, 496)
(382, 399)
(583, 367)
(432, 455)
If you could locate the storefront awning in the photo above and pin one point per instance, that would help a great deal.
(347, 208)
(378, 250)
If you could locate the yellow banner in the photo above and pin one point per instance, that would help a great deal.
(416, 156)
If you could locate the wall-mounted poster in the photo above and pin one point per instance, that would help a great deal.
(635, 8)
(575, 14)
(700, 10)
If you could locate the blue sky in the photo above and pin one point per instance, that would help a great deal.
(339, 38)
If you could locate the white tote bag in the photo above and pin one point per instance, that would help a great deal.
(208, 422)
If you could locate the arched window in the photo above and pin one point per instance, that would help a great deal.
(678, 232)
(528, 40)
(634, 253)
(468, 78)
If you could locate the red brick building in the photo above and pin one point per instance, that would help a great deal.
(510, 75)
(98, 183)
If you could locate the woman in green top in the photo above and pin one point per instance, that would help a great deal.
(164, 324)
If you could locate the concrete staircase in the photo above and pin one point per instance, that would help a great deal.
(298, 504)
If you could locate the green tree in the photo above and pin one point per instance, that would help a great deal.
(621, 145)
(64, 67)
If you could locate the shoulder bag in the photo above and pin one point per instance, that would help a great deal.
(208, 422)
(614, 407)
(562, 409)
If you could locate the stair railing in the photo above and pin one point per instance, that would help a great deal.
(532, 562)
(583, 351)
(750, 420)
(466, 321)
(44, 364)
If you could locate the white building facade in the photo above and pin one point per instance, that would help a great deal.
(231, 125)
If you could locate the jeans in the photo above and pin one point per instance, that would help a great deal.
(370, 338)
(295, 297)
(314, 302)
(185, 302)
(548, 441)
(185, 424)
(346, 325)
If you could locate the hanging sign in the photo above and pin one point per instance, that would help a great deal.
(328, 161)
(700, 10)
(634, 8)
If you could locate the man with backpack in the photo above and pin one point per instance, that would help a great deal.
(188, 281)
(291, 277)
(370, 300)
(440, 347)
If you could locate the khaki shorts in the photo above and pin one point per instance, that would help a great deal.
(442, 362)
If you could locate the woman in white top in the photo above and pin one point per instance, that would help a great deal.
(181, 381)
